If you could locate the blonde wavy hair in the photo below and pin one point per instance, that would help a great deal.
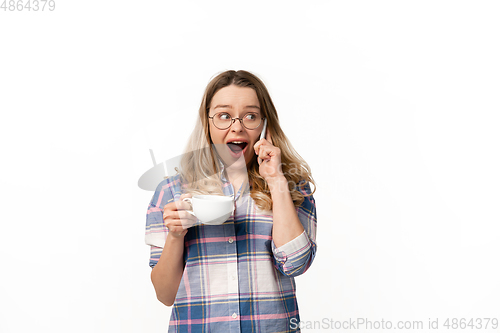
(201, 168)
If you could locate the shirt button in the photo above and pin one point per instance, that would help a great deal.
(230, 240)
(233, 277)
(234, 315)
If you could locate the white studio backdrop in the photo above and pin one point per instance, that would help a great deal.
(393, 104)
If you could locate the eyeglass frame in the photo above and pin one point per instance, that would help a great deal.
(233, 120)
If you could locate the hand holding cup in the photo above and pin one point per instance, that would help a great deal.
(176, 218)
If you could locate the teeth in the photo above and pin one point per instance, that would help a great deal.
(236, 142)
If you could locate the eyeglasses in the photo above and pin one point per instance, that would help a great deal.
(223, 120)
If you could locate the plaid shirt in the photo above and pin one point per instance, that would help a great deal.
(235, 279)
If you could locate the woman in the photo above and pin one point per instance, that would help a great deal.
(238, 276)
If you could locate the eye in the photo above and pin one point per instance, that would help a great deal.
(224, 116)
(251, 116)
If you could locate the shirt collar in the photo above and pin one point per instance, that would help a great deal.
(222, 169)
(227, 184)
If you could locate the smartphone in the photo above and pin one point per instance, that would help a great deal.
(264, 128)
(262, 135)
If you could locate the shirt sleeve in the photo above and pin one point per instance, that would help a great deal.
(155, 255)
(296, 256)
(156, 232)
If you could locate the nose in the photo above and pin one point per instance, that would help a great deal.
(237, 125)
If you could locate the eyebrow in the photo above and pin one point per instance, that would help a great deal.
(230, 107)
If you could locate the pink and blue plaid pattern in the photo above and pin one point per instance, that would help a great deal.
(235, 279)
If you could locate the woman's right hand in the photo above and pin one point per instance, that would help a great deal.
(176, 219)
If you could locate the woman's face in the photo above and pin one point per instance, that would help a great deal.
(237, 102)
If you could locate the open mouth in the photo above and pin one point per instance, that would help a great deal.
(237, 147)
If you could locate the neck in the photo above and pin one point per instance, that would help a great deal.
(236, 176)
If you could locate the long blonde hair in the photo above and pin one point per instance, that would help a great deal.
(200, 168)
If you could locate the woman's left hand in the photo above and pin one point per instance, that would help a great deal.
(270, 167)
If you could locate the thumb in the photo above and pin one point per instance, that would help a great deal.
(186, 195)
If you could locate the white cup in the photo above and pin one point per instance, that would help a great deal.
(211, 209)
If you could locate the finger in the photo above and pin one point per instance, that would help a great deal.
(258, 145)
(173, 205)
(184, 215)
(265, 153)
(176, 215)
(189, 222)
(182, 205)
(181, 224)
(261, 152)
(167, 212)
(179, 204)
(173, 225)
(170, 215)
(256, 148)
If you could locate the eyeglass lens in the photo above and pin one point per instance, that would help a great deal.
(223, 120)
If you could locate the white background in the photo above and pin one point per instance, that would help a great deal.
(393, 104)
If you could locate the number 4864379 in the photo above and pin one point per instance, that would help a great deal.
(28, 5)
